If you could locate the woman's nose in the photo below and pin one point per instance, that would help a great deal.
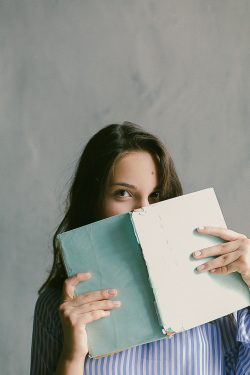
(142, 203)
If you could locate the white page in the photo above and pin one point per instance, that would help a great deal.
(166, 231)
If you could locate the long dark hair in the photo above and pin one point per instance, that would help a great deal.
(90, 177)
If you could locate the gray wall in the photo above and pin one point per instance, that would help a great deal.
(67, 68)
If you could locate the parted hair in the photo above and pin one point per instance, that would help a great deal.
(90, 177)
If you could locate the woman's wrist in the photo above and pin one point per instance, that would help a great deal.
(72, 356)
(70, 363)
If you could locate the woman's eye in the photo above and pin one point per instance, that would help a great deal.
(155, 195)
(122, 193)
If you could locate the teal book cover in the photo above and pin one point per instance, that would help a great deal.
(110, 251)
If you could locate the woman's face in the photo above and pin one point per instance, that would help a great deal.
(132, 183)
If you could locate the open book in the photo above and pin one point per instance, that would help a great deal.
(146, 256)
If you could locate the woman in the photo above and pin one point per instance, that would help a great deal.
(123, 168)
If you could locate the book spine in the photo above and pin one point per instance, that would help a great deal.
(135, 232)
(150, 281)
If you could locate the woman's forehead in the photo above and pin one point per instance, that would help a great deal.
(134, 166)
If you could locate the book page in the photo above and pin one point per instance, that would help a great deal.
(166, 231)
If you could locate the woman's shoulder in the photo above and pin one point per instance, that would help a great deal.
(47, 308)
(49, 298)
(47, 337)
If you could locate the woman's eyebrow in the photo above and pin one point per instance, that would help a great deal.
(124, 184)
(130, 186)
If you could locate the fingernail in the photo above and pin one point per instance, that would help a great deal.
(197, 253)
(200, 228)
(117, 303)
(88, 274)
(200, 268)
(112, 291)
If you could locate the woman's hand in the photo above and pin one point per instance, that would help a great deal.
(231, 256)
(76, 312)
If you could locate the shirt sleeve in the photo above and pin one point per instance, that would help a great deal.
(243, 327)
(235, 329)
(47, 336)
(243, 337)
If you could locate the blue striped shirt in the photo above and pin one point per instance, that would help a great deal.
(221, 347)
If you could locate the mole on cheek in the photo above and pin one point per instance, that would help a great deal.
(152, 172)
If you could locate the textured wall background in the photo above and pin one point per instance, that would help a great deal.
(67, 68)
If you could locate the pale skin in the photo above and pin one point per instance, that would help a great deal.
(133, 183)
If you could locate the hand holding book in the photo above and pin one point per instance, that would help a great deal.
(77, 311)
(231, 256)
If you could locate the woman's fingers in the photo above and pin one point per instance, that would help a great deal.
(76, 317)
(224, 233)
(226, 253)
(88, 306)
(77, 311)
(77, 314)
(97, 305)
(70, 283)
(231, 256)
(94, 315)
(217, 250)
(221, 261)
(97, 295)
